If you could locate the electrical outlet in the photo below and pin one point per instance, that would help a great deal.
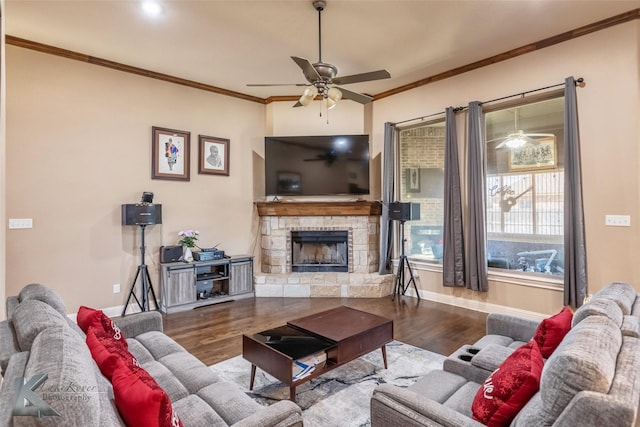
(16, 223)
(116, 288)
(617, 220)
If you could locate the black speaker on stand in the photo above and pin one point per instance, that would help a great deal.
(142, 214)
(404, 212)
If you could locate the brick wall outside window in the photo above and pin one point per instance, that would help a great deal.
(423, 148)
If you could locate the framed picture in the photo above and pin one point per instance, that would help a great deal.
(530, 156)
(413, 180)
(170, 154)
(213, 155)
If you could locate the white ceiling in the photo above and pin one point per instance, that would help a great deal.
(231, 43)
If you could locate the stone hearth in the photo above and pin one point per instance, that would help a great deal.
(362, 222)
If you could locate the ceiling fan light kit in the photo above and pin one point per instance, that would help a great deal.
(520, 138)
(322, 76)
(515, 140)
(309, 95)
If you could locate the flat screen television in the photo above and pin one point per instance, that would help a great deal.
(317, 165)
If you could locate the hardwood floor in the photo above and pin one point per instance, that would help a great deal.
(214, 333)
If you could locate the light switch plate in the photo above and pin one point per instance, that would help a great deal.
(16, 223)
(617, 220)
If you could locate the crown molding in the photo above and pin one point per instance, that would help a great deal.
(522, 50)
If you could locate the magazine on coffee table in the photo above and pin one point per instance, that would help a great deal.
(306, 365)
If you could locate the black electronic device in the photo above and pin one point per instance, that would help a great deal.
(404, 211)
(170, 253)
(141, 214)
(147, 197)
(208, 254)
(317, 165)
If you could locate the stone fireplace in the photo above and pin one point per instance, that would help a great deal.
(320, 249)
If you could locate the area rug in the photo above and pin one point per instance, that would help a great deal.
(342, 396)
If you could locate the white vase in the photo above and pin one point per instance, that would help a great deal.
(187, 256)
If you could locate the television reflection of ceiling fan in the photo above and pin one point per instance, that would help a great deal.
(328, 157)
(322, 77)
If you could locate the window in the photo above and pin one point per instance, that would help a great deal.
(421, 180)
(525, 187)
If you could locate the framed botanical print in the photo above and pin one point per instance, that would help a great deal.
(413, 180)
(539, 156)
(170, 154)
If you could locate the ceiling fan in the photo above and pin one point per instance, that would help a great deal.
(329, 158)
(322, 76)
(519, 137)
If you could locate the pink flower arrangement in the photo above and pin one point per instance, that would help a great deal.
(188, 238)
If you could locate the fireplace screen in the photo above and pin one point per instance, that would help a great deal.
(320, 250)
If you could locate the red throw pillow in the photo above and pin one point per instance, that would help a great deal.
(139, 399)
(88, 317)
(509, 387)
(552, 330)
(107, 351)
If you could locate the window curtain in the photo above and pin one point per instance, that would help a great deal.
(388, 167)
(476, 263)
(453, 239)
(575, 252)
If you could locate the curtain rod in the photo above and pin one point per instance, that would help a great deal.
(579, 82)
(426, 117)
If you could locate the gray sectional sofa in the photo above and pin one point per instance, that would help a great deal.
(591, 379)
(39, 338)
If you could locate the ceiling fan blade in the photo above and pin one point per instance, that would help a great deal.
(309, 72)
(277, 84)
(297, 104)
(363, 77)
(540, 135)
(499, 145)
(354, 96)
(525, 136)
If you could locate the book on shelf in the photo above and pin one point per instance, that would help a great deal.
(306, 365)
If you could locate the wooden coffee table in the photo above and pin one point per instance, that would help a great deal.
(343, 333)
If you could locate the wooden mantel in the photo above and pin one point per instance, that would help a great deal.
(358, 208)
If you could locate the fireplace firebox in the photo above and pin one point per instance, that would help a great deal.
(319, 250)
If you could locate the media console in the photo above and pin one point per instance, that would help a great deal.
(184, 286)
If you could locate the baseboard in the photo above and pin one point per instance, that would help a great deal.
(484, 307)
(112, 311)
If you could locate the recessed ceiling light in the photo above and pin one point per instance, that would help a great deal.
(151, 8)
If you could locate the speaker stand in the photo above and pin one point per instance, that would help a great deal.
(401, 286)
(146, 285)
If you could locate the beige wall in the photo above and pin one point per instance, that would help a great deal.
(2, 161)
(79, 144)
(345, 118)
(609, 110)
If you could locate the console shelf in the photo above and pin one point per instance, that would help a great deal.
(184, 286)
